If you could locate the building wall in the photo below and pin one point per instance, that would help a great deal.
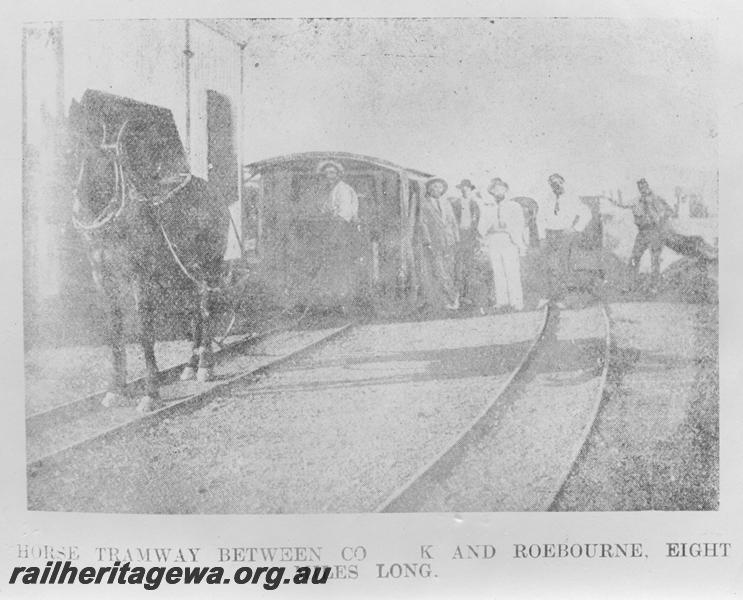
(140, 59)
(145, 60)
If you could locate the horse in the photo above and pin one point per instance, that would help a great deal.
(147, 230)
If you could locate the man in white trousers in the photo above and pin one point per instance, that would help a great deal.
(504, 235)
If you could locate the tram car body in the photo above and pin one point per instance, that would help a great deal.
(308, 256)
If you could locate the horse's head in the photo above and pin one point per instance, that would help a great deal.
(98, 176)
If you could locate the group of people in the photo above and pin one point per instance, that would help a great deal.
(453, 230)
(453, 233)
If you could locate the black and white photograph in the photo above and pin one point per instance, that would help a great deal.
(318, 265)
(358, 265)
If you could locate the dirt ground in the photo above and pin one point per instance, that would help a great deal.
(335, 431)
(656, 444)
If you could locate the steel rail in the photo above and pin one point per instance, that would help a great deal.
(452, 453)
(407, 497)
(166, 376)
(190, 401)
(582, 443)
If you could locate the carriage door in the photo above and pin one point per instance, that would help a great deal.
(368, 187)
(222, 159)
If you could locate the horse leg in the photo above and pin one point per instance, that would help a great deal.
(114, 331)
(189, 371)
(116, 392)
(206, 357)
(145, 310)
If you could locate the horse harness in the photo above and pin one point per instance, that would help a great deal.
(118, 202)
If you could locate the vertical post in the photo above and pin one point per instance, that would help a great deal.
(59, 52)
(403, 277)
(24, 114)
(187, 80)
(240, 137)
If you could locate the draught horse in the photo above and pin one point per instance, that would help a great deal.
(172, 236)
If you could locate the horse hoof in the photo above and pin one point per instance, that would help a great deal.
(204, 374)
(115, 400)
(148, 404)
(188, 373)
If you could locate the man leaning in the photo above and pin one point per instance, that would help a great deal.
(651, 214)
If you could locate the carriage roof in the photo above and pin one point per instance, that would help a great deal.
(308, 161)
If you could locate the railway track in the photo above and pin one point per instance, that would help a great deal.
(546, 409)
(52, 433)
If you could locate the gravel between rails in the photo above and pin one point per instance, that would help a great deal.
(518, 453)
(335, 431)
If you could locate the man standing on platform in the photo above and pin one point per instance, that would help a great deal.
(338, 271)
(343, 202)
(438, 236)
(560, 220)
(504, 235)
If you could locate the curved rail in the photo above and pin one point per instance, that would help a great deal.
(451, 453)
(167, 375)
(582, 443)
(193, 400)
(435, 475)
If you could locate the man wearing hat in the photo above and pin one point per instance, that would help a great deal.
(467, 213)
(438, 236)
(651, 214)
(338, 267)
(560, 219)
(342, 199)
(504, 236)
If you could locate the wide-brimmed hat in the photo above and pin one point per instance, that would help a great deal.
(330, 163)
(497, 181)
(465, 183)
(556, 177)
(433, 180)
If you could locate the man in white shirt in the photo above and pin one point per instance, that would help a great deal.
(338, 245)
(560, 220)
(343, 201)
(504, 234)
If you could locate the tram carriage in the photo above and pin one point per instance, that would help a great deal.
(294, 236)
